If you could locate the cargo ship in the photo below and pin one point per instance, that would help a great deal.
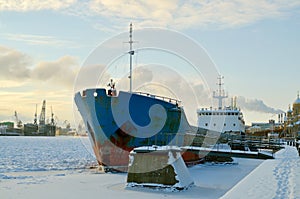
(223, 119)
(8, 129)
(117, 122)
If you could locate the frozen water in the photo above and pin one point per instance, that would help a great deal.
(19, 154)
(59, 157)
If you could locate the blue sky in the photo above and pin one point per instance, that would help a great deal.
(255, 45)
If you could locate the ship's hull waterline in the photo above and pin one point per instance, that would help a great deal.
(117, 124)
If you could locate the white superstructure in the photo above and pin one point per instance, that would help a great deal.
(3, 129)
(227, 119)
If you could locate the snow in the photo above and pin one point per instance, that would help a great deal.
(297, 101)
(246, 178)
(183, 175)
(220, 150)
(211, 181)
(155, 148)
(278, 178)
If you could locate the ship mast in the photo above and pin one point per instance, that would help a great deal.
(220, 93)
(131, 53)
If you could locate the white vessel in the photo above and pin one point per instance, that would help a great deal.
(3, 129)
(227, 119)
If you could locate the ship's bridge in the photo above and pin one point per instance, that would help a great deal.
(224, 120)
(205, 111)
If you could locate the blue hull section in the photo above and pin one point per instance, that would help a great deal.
(117, 124)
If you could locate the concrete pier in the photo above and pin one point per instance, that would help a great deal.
(158, 167)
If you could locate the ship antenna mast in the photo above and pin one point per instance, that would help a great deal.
(131, 53)
(220, 93)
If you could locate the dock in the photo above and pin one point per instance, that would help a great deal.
(220, 152)
(278, 178)
(225, 146)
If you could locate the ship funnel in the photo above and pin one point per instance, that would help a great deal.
(234, 103)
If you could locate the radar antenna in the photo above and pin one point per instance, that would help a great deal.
(220, 93)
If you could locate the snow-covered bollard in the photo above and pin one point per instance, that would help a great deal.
(298, 147)
(161, 167)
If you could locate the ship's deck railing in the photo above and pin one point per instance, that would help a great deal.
(225, 109)
(167, 99)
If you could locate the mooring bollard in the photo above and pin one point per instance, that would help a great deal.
(158, 167)
(298, 147)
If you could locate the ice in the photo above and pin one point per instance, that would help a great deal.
(19, 154)
(25, 177)
(210, 182)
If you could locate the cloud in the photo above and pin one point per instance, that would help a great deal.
(166, 82)
(32, 5)
(23, 84)
(158, 12)
(91, 76)
(14, 64)
(175, 14)
(193, 93)
(191, 13)
(10, 84)
(141, 76)
(38, 40)
(256, 105)
(62, 71)
(17, 66)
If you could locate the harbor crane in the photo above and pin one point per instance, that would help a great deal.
(52, 118)
(35, 116)
(43, 114)
(67, 123)
(19, 122)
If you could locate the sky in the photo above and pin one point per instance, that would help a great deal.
(43, 44)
